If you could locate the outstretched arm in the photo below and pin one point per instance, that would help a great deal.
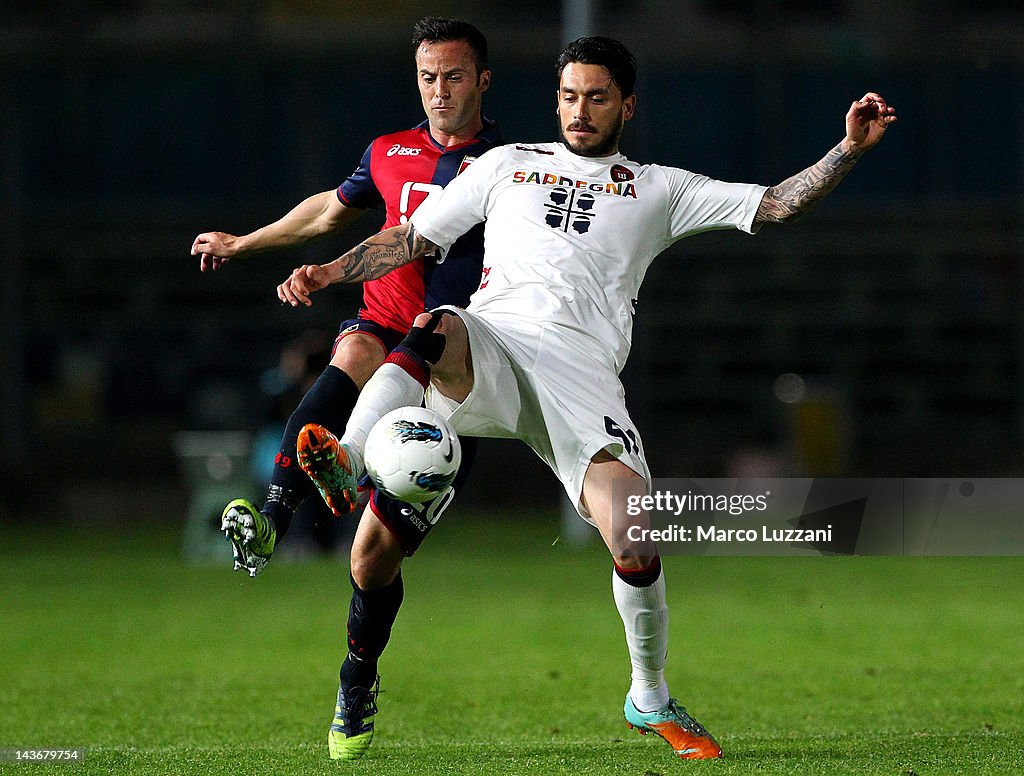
(866, 122)
(371, 259)
(311, 218)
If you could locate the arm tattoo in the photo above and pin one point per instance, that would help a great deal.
(378, 255)
(798, 195)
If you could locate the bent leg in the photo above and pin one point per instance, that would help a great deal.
(328, 401)
(437, 349)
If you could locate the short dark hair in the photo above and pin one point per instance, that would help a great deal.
(608, 53)
(434, 29)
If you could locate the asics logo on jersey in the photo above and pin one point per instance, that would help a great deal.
(568, 208)
(400, 150)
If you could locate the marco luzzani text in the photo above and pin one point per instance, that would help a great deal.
(728, 507)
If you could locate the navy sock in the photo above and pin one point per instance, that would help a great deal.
(329, 402)
(371, 614)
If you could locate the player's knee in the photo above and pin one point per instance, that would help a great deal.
(358, 356)
(376, 565)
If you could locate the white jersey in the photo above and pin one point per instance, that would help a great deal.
(568, 239)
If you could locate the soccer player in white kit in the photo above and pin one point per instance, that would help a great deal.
(570, 229)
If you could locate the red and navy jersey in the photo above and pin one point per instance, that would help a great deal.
(399, 171)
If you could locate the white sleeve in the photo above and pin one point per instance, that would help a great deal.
(448, 214)
(698, 204)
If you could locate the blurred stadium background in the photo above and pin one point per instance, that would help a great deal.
(129, 126)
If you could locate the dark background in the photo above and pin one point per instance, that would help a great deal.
(128, 127)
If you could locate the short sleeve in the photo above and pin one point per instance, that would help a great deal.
(359, 190)
(698, 203)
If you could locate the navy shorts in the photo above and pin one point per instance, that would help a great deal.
(389, 338)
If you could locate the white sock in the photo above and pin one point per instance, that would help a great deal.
(644, 614)
(390, 387)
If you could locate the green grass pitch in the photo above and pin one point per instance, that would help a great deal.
(508, 658)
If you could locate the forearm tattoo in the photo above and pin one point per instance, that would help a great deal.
(798, 195)
(378, 255)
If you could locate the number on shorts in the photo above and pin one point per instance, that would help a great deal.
(627, 435)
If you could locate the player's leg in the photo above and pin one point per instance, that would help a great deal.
(637, 581)
(638, 586)
(254, 534)
(377, 592)
(388, 532)
(437, 348)
(329, 401)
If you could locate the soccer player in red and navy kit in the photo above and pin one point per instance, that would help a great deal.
(399, 171)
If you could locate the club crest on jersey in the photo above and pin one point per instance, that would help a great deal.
(618, 188)
(621, 174)
(466, 161)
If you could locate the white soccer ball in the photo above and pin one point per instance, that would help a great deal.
(412, 454)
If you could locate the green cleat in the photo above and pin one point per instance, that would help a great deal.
(251, 533)
(352, 730)
(330, 465)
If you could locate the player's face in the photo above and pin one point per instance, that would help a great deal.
(591, 110)
(450, 89)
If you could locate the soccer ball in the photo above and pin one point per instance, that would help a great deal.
(412, 454)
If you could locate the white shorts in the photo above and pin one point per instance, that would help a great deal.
(541, 384)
